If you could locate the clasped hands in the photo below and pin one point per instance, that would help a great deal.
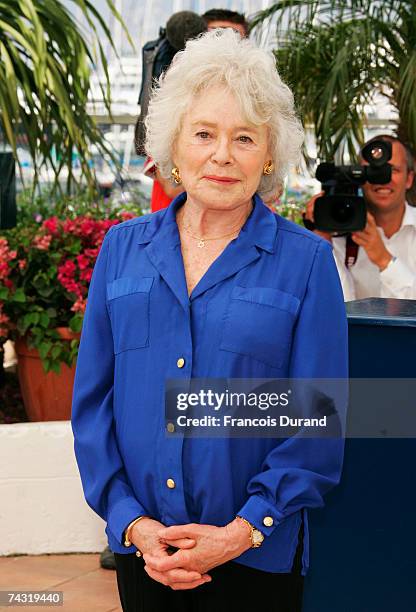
(199, 549)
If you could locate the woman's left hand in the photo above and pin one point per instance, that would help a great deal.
(213, 546)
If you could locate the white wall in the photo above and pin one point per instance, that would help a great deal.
(42, 508)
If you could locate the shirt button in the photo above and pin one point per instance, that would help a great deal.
(170, 427)
(268, 521)
(170, 483)
(181, 362)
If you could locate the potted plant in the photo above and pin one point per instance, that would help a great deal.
(46, 264)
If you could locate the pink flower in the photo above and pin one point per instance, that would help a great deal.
(42, 242)
(85, 275)
(67, 269)
(6, 255)
(87, 227)
(66, 276)
(126, 215)
(4, 269)
(51, 225)
(22, 264)
(79, 305)
(93, 253)
(68, 226)
(4, 319)
(83, 261)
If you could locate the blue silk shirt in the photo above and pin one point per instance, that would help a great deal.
(270, 306)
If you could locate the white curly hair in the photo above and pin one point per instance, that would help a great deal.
(222, 57)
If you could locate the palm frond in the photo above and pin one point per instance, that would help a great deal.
(337, 54)
(45, 71)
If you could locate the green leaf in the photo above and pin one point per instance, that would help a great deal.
(32, 318)
(44, 319)
(55, 367)
(56, 351)
(4, 293)
(75, 323)
(46, 291)
(37, 333)
(44, 349)
(19, 295)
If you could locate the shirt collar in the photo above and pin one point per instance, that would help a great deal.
(260, 229)
(409, 217)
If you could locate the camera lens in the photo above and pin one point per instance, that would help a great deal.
(376, 153)
(342, 212)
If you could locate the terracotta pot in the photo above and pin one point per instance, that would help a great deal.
(47, 397)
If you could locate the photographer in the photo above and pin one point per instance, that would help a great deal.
(224, 18)
(157, 56)
(385, 265)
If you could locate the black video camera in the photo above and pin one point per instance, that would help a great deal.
(341, 209)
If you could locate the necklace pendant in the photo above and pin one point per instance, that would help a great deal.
(201, 244)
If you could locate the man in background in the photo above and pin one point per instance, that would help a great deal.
(157, 56)
(386, 261)
(223, 18)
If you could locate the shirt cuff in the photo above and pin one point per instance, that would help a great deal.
(397, 278)
(122, 514)
(261, 514)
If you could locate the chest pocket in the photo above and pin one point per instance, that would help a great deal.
(128, 301)
(259, 323)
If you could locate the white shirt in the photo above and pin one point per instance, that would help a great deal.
(364, 278)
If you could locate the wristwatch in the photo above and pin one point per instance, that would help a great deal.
(256, 535)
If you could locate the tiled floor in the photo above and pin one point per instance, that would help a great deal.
(86, 587)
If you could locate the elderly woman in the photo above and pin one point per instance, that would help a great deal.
(214, 286)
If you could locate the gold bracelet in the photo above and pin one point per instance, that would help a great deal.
(256, 536)
(249, 525)
(127, 531)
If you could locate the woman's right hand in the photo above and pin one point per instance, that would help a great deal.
(144, 537)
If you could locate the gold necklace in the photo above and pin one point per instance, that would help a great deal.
(201, 241)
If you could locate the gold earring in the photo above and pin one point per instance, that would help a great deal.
(268, 168)
(176, 176)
